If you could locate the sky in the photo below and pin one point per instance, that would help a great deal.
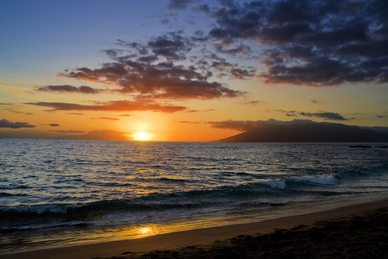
(189, 70)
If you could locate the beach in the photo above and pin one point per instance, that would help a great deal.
(357, 231)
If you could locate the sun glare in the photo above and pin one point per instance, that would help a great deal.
(142, 136)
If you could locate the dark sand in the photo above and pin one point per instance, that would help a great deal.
(359, 231)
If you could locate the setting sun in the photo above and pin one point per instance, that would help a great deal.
(142, 136)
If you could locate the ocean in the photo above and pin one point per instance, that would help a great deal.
(68, 192)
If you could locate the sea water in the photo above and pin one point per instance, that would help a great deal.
(65, 192)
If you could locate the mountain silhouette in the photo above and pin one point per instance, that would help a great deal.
(308, 132)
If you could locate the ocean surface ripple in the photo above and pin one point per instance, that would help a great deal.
(92, 189)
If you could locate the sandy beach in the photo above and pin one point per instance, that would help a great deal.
(358, 231)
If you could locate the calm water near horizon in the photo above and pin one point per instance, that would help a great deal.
(65, 192)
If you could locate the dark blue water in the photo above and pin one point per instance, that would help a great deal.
(56, 192)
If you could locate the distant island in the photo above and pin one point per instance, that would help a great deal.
(309, 131)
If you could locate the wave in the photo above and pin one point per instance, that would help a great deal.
(279, 184)
(324, 180)
(42, 227)
(5, 194)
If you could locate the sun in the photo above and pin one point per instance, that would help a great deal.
(142, 136)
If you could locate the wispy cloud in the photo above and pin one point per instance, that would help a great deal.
(107, 118)
(110, 106)
(69, 131)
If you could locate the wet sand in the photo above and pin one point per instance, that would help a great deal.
(358, 231)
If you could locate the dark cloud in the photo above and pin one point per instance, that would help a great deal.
(314, 43)
(165, 21)
(324, 115)
(14, 125)
(172, 46)
(242, 73)
(162, 80)
(178, 4)
(110, 106)
(199, 36)
(236, 50)
(54, 125)
(159, 69)
(69, 88)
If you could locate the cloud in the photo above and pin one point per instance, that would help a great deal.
(159, 81)
(14, 125)
(75, 113)
(69, 89)
(107, 118)
(178, 4)
(68, 134)
(69, 131)
(324, 115)
(172, 46)
(159, 69)
(316, 43)
(54, 125)
(187, 122)
(103, 135)
(251, 102)
(110, 106)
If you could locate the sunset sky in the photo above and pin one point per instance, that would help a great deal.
(189, 70)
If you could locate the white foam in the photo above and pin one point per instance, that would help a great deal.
(276, 184)
(325, 180)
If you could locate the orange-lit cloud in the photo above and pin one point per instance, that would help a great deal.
(107, 118)
(111, 106)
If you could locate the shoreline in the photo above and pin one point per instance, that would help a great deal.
(195, 237)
